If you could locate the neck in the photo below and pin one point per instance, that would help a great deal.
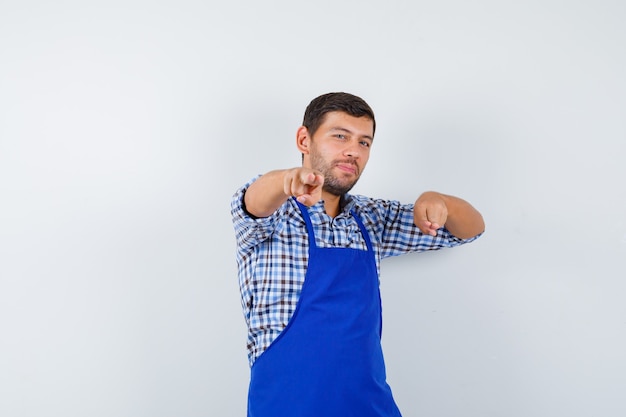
(331, 204)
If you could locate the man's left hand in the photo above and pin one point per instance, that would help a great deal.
(430, 212)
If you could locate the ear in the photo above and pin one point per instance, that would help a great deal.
(303, 140)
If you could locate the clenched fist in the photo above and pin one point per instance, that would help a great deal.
(430, 212)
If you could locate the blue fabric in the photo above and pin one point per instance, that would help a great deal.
(328, 361)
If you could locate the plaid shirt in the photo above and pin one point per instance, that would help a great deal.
(272, 253)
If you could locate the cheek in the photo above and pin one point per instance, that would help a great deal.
(327, 154)
(365, 157)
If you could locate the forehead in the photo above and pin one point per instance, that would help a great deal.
(363, 125)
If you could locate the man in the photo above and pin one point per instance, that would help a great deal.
(309, 259)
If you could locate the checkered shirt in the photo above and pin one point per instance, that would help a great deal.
(272, 253)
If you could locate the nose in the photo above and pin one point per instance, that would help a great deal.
(352, 150)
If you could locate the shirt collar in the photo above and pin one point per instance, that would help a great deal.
(346, 203)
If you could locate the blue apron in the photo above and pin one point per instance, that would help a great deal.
(328, 361)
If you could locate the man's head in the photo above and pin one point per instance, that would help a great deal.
(335, 139)
(317, 109)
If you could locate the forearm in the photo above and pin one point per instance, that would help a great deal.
(463, 221)
(266, 194)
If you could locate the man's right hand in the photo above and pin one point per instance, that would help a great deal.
(270, 191)
(305, 184)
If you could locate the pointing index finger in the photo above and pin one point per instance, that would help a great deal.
(313, 179)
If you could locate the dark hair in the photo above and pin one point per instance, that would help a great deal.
(316, 110)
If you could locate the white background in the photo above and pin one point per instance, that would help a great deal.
(125, 127)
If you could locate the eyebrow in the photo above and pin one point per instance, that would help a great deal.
(343, 129)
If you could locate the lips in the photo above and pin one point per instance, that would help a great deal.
(347, 167)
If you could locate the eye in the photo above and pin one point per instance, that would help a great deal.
(340, 136)
(365, 143)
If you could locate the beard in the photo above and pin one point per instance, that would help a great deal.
(332, 183)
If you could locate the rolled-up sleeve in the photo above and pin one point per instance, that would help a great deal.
(249, 230)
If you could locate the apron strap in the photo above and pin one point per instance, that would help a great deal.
(364, 232)
(307, 219)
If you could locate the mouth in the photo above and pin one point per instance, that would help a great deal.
(347, 167)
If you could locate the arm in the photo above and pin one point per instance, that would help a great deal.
(433, 210)
(270, 191)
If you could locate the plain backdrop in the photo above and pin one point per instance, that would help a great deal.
(126, 126)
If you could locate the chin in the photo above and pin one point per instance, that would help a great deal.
(338, 190)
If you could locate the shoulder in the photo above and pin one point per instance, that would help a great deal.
(377, 209)
(381, 216)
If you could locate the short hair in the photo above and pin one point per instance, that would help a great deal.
(315, 112)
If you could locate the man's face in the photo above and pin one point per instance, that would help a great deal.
(340, 150)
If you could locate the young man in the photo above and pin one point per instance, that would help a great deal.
(309, 259)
